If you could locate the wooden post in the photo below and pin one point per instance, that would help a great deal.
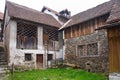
(12, 71)
(54, 51)
(47, 52)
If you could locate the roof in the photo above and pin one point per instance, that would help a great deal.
(57, 13)
(115, 12)
(1, 16)
(44, 8)
(91, 13)
(22, 12)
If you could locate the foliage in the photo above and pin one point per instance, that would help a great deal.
(57, 74)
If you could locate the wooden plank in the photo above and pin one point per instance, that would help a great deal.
(39, 61)
(80, 30)
(85, 28)
(114, 49)
(118, 47)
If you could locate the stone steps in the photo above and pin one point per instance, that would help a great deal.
(3, 63)
(3, 77)
(3, 67)
(3, 72)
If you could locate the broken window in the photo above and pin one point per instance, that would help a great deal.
(88, 49)
(92, 49)
(28, 57)
(26, 36)
(81, 50)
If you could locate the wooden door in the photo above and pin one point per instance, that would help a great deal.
(39, 61)
(114, 49)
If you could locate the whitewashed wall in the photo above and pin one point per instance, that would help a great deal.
(17, 56)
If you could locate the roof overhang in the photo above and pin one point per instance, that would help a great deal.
(116, 24)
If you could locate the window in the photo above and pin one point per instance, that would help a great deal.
(28, 57)
(92, 49)
(88, 50)
(50, 56)
(81, 50)
(26, 36)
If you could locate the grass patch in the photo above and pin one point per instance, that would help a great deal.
(57, 74)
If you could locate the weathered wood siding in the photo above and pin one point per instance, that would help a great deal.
(86, 27)
(68, 33)
(114, 49)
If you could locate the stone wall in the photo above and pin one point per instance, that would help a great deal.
(97, 63)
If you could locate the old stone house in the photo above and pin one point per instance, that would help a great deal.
(30, 36)
(91, 37)
(84, 45)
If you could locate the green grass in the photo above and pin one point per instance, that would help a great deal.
(57, 74)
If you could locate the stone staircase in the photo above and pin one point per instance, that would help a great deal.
(3, 67)
(3, 73)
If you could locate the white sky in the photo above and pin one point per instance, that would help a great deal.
(75, 6)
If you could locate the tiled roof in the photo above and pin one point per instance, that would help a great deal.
(22, 12)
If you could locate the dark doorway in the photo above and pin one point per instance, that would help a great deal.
(39, 61)
(2, 55)
(50, 57)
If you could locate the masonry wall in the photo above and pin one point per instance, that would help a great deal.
(17, 56)
(99, 62)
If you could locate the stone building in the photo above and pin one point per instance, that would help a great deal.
(30, 36)
(86, 46)
(89, 39)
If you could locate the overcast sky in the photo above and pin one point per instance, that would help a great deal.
(75, 6)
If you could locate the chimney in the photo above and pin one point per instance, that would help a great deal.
(65, 13)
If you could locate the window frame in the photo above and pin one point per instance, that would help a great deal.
(23, 39)
(26, 55)
(86, 50)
